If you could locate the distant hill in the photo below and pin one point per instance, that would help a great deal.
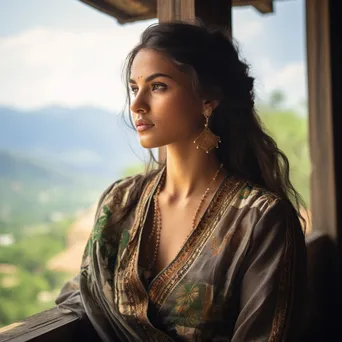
(58, 160)
(14, 167)
(31, 192)
(89, 140)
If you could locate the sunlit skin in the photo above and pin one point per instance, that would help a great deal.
(164, 98)
(168, 113)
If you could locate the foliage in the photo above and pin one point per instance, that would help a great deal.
(21, 299)
(277, 99)
(28, 279)
(290, 131)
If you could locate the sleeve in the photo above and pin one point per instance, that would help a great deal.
(273, 279)
(69, 298)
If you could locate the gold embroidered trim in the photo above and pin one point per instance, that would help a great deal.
(284, 292)
(168, 279)
(125, 268)
(139, 216)
(138, 300)
(136, 294)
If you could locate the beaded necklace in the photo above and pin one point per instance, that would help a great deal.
(157, 220)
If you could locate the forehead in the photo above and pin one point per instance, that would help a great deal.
(148, 61)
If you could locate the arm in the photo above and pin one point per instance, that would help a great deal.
(273, 283)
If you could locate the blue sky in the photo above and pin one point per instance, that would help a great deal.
(65, 52)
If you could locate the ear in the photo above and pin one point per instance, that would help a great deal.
(209, 104)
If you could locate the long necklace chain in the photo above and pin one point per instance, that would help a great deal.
(157, 220)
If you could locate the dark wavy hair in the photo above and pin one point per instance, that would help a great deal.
(211, 58)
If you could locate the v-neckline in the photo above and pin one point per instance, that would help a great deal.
(186, 241)
(137, 297)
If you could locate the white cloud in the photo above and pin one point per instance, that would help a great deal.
(291, 79)
(48, 66)
(246, 30)
(257, 44)
(44, 66)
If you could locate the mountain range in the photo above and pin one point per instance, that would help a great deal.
(87, 140)
(60, 159)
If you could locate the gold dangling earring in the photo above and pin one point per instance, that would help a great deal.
(207, 140)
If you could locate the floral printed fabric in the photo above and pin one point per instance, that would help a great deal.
(240, 276)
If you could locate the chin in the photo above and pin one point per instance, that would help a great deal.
(150, 143)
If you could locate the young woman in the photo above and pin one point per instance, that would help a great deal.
(208, 246)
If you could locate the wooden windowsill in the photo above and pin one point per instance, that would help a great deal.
(51, 325)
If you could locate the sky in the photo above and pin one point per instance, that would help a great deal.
(68, 54)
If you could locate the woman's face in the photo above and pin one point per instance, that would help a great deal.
(164, 107)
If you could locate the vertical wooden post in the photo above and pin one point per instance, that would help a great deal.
(323, 191)
(175, 10)
(216, 12)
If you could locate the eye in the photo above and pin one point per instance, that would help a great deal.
(134, 90)
(159, 86)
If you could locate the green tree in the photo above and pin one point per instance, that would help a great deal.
(290, 131)
(277, 99)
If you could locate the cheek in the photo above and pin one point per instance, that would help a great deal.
(180, 109)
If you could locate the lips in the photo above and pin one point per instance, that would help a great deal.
(143, 125)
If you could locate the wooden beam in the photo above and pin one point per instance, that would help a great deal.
(323, 189)
(120, 14)
(263, 6)
(51, 325)
(129, 11)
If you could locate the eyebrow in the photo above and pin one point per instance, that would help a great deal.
(152, 77)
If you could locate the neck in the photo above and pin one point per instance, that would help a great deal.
(189, 171)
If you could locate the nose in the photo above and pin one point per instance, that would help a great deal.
(139, 104)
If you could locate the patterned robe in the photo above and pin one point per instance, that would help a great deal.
(240, 276)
